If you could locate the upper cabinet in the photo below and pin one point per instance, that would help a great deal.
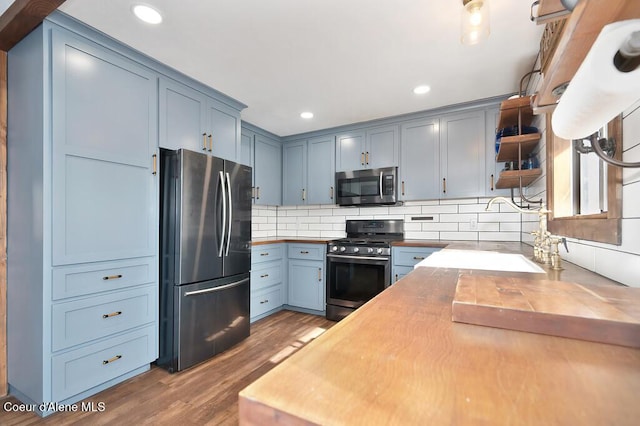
(264, 155)
(371, 149)
(192, 120)
(420, 160)
(309, 171)
(462, 154)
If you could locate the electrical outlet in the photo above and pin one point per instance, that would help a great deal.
(473, 224)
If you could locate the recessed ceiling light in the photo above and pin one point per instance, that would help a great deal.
(147, 14)
(306, 115)
(421, 90)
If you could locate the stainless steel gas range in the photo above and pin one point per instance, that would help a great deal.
(359, 266)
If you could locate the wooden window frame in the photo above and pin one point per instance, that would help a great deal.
(603, 227)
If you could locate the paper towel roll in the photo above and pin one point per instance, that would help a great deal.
(598, 92)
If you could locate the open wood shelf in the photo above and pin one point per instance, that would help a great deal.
(508, 150)
(511, 178)
(580, 31)
(509, 112)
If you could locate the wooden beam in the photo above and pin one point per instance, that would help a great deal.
(21, 18)
(15, 23)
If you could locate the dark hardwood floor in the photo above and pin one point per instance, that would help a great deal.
(205, 394)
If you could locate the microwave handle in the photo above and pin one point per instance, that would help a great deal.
(381, 184)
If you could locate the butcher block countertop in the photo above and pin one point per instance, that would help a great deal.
(400, 359)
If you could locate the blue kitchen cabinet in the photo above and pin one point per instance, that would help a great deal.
(321, 170)
(192, 120)
(294, 176)
(268, 279)
(367, 149)
(182, 116)
(306, 276)
(82, 267)
(267, 170)
(246, 149)
(405, 258)
(493, 167)
(420, 160)
(462, 154)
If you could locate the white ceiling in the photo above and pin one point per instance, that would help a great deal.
(345, 60)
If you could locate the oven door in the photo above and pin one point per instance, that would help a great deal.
(353, 280)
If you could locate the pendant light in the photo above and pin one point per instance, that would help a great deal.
(475, 21)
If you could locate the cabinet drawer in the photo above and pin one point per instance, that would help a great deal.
(307, 251)
(266, 253)
(79, 370)
(266, 275)
(94, 278)
(266, 300)
(409, 256)
(83, 320)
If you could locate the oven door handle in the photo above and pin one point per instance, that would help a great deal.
(338, 256)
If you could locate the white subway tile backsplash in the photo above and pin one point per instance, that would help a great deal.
(372, 211)
(510, 227)
(309, 219)
(320, 227)
(617, 265)
(482, 227)
(499, 236)
(413, 235)
(459, 201)
(630, 200)
(440, 226)
(475, 208)
(405, 210)
(332, 219)
(258, 219)
(458, 217)
(580, 254)
(459, 236)
(297, 212)
(412, 226)
(499, 217)
(450, 208)
(631, 238)
(320, 212)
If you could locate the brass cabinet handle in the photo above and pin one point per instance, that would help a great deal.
(492, 182)
(362, 158)
(418, 258)
(264, 275)
(367, 157)
(444, 185)
(264, 254)
(257, 192)
(304, 252)
(204, 141)
(319, 274)
(264, 301)
(402, 187)
(155, 164)
(112, 314)
(210, 143)
(112, 277)
(110, 360)
(331, 192)
(396, 277)
(304, 194)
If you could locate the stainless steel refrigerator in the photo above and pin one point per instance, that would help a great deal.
(205, 256)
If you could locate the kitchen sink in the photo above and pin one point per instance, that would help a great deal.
(477, 259)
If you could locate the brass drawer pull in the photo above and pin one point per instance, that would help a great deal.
(402, 187)
(304, 194)
(396, 277)
(492, 182)
(112, 277)
(204, 141)
(319, 274)
(257, 192)
(367, 157)
(418, 258)
(331, 192)
(112, 314)
(444, 185)
(210, 143)
(155, 165)
(264, 276)
(110, 360)
(362, 158)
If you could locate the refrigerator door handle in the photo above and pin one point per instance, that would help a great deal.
(224, 214)
(219, 288)
(230, 213)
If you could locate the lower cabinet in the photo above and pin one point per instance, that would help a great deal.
(405, 258)
(267, 280)
(306, 277)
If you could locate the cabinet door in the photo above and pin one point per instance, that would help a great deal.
(294, 176)
(493, 168)
(381, 147)
(462, 155)
(420, 160)
(306, 284)
(267, 158)
(104, 130)
(182, 116)
(246, 150)
(350, 152)
(224, 129)
(322, 170)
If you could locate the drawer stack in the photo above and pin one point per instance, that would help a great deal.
(267, 283)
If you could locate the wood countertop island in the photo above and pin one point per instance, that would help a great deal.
(401, 360)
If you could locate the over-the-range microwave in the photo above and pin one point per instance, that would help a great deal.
(367, 187)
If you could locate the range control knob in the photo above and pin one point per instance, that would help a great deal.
(379, 251)
(334, 248)
(369, 250)
(342, 249)
(356, 249)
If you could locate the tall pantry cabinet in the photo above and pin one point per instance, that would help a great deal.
(82, 217)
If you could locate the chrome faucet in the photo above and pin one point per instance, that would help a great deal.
(542, 238)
